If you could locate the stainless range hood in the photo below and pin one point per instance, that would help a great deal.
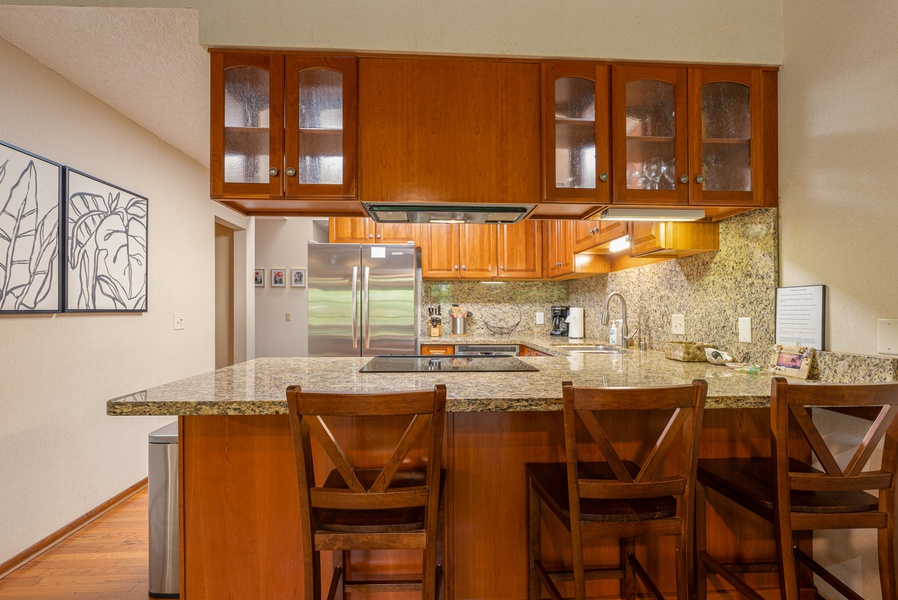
(446, 213)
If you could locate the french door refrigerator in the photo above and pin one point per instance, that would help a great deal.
(364, 299)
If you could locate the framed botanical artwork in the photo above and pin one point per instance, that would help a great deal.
(792, 361)
(30, 233)
(278, 278)
(106, 246)
(298, 277)
(259, 277)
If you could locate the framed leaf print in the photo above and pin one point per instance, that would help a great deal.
(30, 233)
(105, 246)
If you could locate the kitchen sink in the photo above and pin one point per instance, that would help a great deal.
(597, 349)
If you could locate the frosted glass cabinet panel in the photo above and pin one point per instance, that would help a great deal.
(650, 136)
(575, 126)
(726, 137)
(247, 125)
(321, 126)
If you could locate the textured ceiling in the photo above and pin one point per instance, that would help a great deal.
(145, 63)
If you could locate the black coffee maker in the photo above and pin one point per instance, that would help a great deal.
(559, 316)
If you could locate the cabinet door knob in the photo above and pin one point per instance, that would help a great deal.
(603, 177)
(502, 267)
(370, 236)
(291, 172)
(455, 268)
(378, 236)
(700, 179)
(684, 178)
(273, 171)
(464, 268)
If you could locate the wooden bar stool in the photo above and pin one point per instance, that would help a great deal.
(795, 496)
(618, 498)
(394, 506)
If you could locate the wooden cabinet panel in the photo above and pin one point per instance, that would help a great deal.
(576, 140)
(667, 239)
(448, 130)
(528, 351)
(559, 248)
(362, 230)
(437, 349)
(520, 250)
(477, 251)
(439, 252)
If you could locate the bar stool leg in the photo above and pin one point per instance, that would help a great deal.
(628, 581)
(701, 571)
(535, 585)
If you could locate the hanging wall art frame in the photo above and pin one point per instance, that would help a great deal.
(106, 246)
(30, 233)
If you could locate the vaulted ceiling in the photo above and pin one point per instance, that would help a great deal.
(145, 63)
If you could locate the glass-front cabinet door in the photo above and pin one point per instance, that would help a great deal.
(649, 129)
(576, 150)
(725, 136)
(321, 122)
(247, 133)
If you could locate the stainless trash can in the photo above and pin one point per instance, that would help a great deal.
(163, 509)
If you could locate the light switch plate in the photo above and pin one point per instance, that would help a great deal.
(178, 322)
(745, 329)
(540, 318)
(678, 324)
(887, 336)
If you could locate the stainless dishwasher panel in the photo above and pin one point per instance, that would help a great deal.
(163, 511)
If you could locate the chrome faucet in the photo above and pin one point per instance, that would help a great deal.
(624, 338)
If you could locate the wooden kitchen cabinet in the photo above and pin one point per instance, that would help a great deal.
(440, 130)
(589, 234)
(561, 260)
(284, 126)
(576, 125)
(362, 230)
(694, 136)
(671, 239)
(528, 351)
(437, 349)
(459, 251)
(520, 250)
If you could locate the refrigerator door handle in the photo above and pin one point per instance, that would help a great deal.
(366, 308)
(355, 307)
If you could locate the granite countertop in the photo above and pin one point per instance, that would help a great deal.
(258, 386)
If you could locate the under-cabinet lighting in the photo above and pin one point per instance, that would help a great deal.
(652, 214)
(447, 221)
(494, 282)
(621, 243)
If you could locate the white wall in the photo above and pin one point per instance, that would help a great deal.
(281, 243)
(60, 455)
(838, 206)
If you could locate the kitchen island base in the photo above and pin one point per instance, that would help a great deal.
(240, 531)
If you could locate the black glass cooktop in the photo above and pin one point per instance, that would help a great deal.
(444, 364)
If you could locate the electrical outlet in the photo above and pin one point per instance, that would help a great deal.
(288, 316)
(179, 321)
(678, 324)
(745, 329)
(540, 318)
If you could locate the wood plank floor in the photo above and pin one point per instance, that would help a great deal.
(105, 560)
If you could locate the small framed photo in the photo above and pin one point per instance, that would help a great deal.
(298, 278)
(278, 278)
(792, 361)
(259, 277)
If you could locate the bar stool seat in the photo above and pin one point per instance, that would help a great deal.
(622, 497)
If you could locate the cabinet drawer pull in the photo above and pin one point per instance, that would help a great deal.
(273, 171)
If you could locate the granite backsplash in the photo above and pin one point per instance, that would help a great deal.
(712, 290)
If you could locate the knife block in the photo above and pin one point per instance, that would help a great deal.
(435, 330)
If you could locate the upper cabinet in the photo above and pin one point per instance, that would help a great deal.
(362, 230)
(693, 136)
(283, 126)
(576, 140)
(435, 130)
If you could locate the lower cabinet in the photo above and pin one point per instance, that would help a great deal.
(437, 349)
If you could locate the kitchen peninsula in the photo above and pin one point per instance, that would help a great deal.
(240, 535)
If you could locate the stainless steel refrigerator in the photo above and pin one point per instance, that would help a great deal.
(364, 299)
